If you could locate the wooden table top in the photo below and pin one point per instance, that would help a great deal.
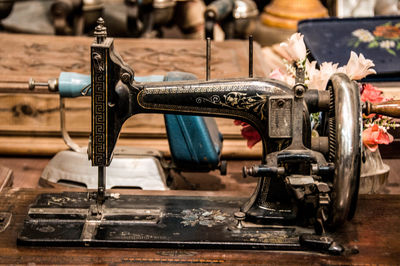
(374, 232)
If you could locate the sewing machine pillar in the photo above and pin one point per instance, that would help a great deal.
(105, 74)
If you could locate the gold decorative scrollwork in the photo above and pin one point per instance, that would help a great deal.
(98, 62)
(239, 100)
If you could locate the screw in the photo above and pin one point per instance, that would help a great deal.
(239, 216)
(299, 91)
(249, 171)
(244, 172)
(125, 77)
(280, 103)
(52, 84)
(32, 84)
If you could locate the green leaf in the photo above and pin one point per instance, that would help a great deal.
(398, 46)
(356, 44)
(397, 25)
(352, 41)
(373, 44)
(389, 23)
(390, 51)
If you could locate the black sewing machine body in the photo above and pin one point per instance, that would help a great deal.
(302, 187)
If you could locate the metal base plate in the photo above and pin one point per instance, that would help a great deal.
(70, 219)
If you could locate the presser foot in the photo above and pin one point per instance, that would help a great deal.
(69, 219)
(273, 213)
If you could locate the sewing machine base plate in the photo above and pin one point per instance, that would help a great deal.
(71, 219)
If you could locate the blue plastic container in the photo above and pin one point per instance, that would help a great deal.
(194, 141)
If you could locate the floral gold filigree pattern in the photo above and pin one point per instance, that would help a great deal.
(239, 100)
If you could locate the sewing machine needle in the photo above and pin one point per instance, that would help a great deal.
(208, 58)
(250, 56)
(101, 185)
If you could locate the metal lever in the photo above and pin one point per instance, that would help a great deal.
(64, 133)
(389, 108)
(53, 86)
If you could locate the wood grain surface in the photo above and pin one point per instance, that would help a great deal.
(374, 232)
(6, 177)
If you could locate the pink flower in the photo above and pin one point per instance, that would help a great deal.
(249, 133)
(295, 47)
(371, 94)
(358, 67)
(279, 75)
(318, 79)
(375, 135)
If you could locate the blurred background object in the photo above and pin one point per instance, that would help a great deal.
(286, 13)
(236, 17)
(125, 18)
(133, 18)
(270, 21)
(362, 8)
(74, 17)
(5, 9)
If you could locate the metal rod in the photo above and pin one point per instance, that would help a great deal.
(32, 84)
(14, 1)
(64, 133)
(250, 56)
(43, 84)
(19, 87)
(101, 188)
(208, 58)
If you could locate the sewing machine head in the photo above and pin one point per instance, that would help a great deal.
(300, 181)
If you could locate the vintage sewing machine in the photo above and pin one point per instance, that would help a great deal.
(306, 186)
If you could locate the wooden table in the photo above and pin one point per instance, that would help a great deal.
(374, 232)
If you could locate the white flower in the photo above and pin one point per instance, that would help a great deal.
(358, 67)
(295, 47)
(387, 44)
(363, 35)
(318, 79)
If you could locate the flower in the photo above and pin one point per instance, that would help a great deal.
(387, 44)
(319, 78)
(249, 133)
(371, 94)
(358, 67)
(375, 135)
(387, 31)
(295, 47)
(363, 35)
(279, 75)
